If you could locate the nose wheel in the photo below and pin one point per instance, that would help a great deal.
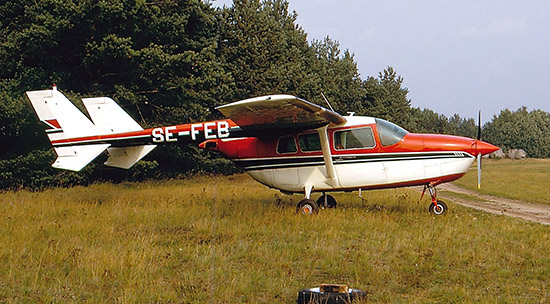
(437, 207)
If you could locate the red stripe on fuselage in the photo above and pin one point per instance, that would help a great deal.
(144, 136)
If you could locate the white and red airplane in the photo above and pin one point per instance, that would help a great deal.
(282, 141)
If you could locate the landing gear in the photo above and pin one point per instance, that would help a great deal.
(437, 207)
(326, 201)
(307, 206)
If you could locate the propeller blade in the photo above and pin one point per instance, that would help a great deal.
(479, 171)
(479, 126)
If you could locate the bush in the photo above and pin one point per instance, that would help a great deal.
(521, 129)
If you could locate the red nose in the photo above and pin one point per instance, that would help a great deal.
(484, 148)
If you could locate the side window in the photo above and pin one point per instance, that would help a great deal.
(286, 144)
(309, 142)
(361, 138)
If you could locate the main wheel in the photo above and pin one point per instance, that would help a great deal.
(331, 201)
(440, 209)
(307, 206)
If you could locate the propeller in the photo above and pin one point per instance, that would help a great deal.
(478, 153)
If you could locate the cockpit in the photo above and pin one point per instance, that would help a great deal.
(343, 139)
(389, 133)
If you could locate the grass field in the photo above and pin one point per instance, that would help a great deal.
(527, 180)
(231, 240)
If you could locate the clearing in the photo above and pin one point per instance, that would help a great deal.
(539, 213)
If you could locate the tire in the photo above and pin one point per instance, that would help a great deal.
(440, 210)
(331, 201)
(314, 296)
(307, 206)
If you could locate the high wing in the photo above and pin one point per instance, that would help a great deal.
(274, 112)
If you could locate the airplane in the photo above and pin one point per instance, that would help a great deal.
(282, 141)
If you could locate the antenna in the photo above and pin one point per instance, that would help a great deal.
(327, 102)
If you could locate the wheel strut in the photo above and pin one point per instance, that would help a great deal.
(326, 201)
(437, 207)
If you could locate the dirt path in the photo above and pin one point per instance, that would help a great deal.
(532, 212)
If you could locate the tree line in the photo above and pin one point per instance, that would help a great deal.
(172, 62)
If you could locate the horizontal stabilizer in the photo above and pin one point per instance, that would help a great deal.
(76, 157)
(126, 157)
(109, 117)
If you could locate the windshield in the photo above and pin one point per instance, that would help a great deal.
(389, 133)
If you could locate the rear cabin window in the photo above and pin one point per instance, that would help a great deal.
(361, 138)
(286, 144)
(389, 133)
(309, 142)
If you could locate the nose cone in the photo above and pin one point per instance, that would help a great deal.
(437, 142)
(484, 147)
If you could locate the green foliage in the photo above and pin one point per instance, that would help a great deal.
(336, 75)
(28, 171)
(33, 171)
(162, 53)
(385, 98)
(427, 121)
(182, 161)
(521, 129)
(263, 50)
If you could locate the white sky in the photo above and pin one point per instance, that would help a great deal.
(454, 56)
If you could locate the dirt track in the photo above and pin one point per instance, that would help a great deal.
(532, 212)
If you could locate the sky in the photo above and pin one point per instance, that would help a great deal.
(454, 56)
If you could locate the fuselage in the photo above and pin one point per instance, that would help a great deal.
(367, 153)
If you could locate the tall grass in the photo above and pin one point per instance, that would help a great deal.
(526, 180)
(231, 240)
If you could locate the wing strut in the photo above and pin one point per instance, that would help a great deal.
(332, 179)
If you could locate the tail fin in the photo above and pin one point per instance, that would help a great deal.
(60, 115)
(64, 121)
(109, 117)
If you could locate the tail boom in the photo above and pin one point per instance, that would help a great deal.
(77, 140)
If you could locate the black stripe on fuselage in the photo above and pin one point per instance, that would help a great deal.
(146, 139)
(308, 161)
(52, 131)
